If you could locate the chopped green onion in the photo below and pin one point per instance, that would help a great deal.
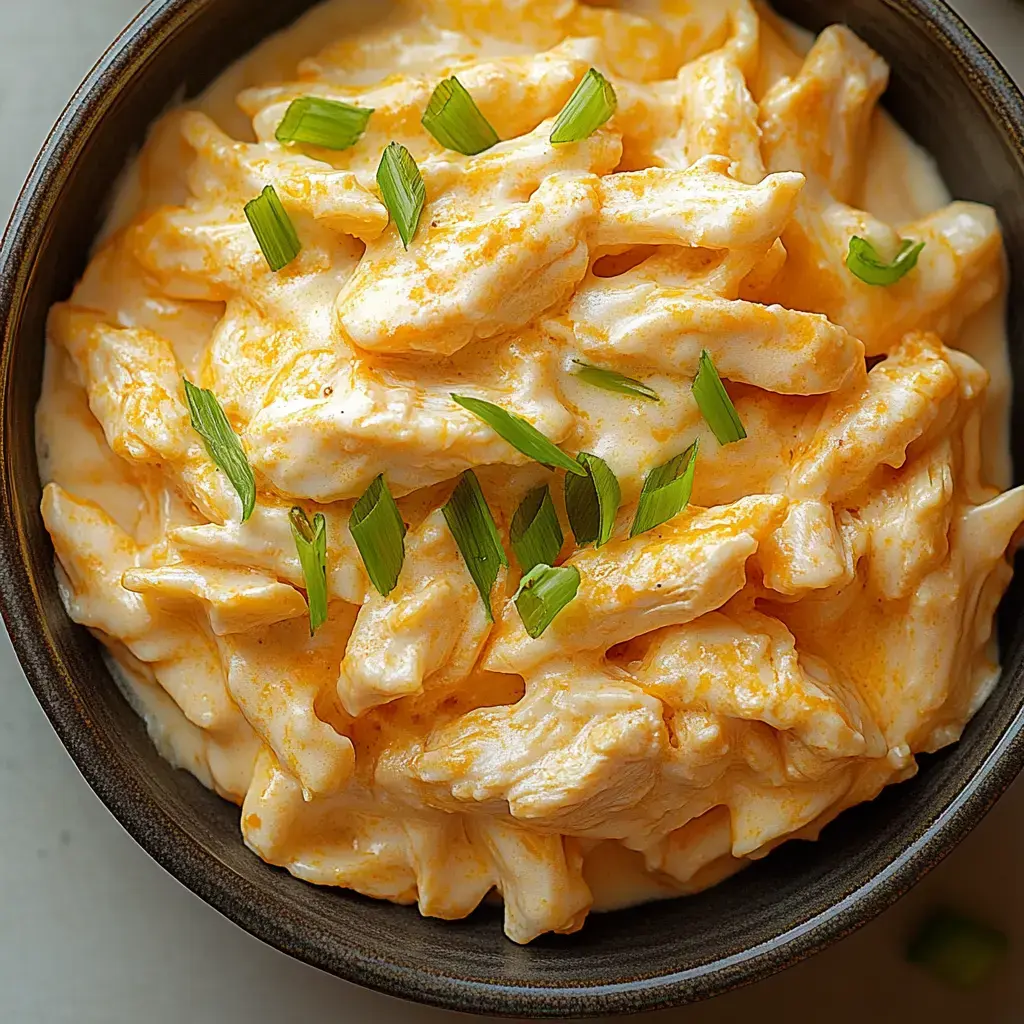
(379, 533)
(320, 122)
(591, 501)
(211, 424)
(715, 404)
(535, 533)
(609, 380)
(273, 229)
(543, 593)
(472, 526)
(589, 107)
(402, 189)
(311, 544)
(666, 492)
(454, 119)
(957, 949)
(520, 434)
(864, 262)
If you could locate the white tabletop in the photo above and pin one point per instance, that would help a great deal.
(94, 932)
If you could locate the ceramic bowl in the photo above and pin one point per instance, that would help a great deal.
(954, 99)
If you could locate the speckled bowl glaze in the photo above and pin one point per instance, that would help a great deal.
(953, 97)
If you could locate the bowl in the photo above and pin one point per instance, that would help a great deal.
(953, 97)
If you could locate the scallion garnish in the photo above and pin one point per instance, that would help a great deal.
(379, 532)
(320, 122)
(715, 404)
(402, 189)
(666, 492)
(523, 436)
(454, 119)
(311, 545)
(591, 501)
(589, 107)
(273, 229)
(211, 424)
(543, 593)
(472, 526)
(609, 380)
(864, 262)
(957, 949)
(535, 533)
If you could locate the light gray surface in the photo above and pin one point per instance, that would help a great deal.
(93, 932)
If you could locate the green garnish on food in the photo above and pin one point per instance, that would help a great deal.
(523, 436)
(326, 123)
(592, 501)
(454, 119)
(377, 528)
(666, 492)
(536, 533)
(472, 526)
(210, 422)
(609, 380)
(957, 949)
(273, 228)
(311, 545)
(402, 189)
(864, 262)
(543, 593)
(715, 404)
(592, 103)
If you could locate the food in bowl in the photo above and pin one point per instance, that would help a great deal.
(537, 449)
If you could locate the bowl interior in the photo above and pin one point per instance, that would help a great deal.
(790, 904)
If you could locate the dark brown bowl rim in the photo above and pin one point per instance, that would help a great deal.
(233, 896)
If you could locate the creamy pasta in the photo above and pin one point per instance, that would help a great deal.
(777, 649)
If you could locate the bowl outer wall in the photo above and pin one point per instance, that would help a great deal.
(965, 110)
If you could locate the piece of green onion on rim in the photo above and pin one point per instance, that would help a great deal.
(210, 422)
(377, 528)
(666, 491)
(329, 124)
(543, 592)
(402, 189)
(591, 105)
(311, 546)
(715, 404)
(522, 435)
(472, 525)
(592, 501)
(273, 228)
(865, 263)
(454, 119)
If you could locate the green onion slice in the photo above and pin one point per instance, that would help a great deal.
(957, 949)
(273, 229)
(321, 122)
(864, 262)
(379, 533)
(211, 424)
(472, 526)
(311, 544)
(543, 593)
(402, 189)
(589, 107)
(454, 119)
(536, 533)
(715, 404)
(609, 380)
(666, 492)
(591, 501)
(520, 434)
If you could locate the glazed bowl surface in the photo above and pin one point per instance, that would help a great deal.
(953, 98)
